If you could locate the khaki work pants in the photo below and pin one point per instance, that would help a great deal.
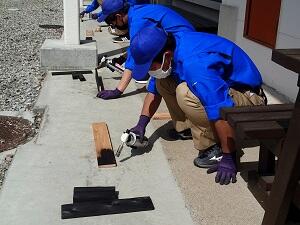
(187, 111)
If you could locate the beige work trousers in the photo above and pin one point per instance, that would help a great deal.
(187, 111)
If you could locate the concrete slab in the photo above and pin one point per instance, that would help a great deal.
(44, 172)
(55, 55)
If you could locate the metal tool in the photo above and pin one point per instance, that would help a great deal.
(104, 62)
(124, 139)
(132, 140)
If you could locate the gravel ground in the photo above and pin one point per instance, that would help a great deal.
(20, 42)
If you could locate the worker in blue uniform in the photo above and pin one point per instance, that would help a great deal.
(197, 74)
(137, 17)
(97, 3)
(92, 7)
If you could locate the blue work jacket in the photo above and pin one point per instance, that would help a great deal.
(211, 65)
(95, 4)
(138, 2)
(141, 16)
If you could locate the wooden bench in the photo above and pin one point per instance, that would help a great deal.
(275, 128)
(259, 125)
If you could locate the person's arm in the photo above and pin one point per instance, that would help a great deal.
(116, 93)
(93, 6)
(151, 104)
(126, 78)
(225, 134)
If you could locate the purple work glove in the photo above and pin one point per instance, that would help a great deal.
(226, 169)
(94, 16)
(109, 94)
(140, 128)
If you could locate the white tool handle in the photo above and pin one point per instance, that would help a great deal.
(124, 137)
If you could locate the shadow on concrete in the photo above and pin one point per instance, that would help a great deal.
(114, 78)
(135, 92)
(82, 42)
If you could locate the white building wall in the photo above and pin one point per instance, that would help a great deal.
(233, 14)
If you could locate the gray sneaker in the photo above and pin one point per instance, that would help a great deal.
(209, 157)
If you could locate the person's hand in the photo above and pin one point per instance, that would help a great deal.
(109, 94)
(119, 60)
(140, 128)
(94, 16)
(226, 169)
(82, 14)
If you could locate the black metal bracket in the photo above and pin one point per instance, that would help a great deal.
(99, 81)
(76, 74)
(96, 201)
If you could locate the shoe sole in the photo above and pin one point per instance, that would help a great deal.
(206, 166)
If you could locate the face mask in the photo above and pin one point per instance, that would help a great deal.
(159, 73)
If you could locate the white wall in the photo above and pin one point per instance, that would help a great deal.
(274, 75)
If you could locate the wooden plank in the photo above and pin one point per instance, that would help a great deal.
(254, 109)
(288, 58)
(162, 116)
(98, 29)
(89, 34)
(260, 130)
(287, 174)
(104, 149)
(266, 163)
(234, 119)
(117, 206)
(88, 194)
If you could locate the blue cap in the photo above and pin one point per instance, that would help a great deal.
(144, 47)
(109, 7)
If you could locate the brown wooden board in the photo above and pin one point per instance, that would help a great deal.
(288, 58)
(260, 130)
(253, 109)
(234, 119)
(89, 34)
(104, 149)
(161, 116)
(287, 174)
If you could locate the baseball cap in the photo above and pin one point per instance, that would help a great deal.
(144, 47)
(109, 7)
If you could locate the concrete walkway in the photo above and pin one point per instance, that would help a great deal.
(44, 172)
